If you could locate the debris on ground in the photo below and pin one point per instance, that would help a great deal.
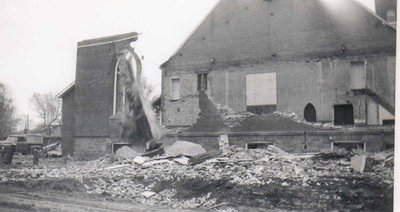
(223, 142)
(230, 117)
(294, 117)
(307, 181)
(185, 148)
(126, 152)
(358, 162)
(57, 152)
(204, 156)
(52, 150)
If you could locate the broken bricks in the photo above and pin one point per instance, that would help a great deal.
(138, 179)
(185, 148)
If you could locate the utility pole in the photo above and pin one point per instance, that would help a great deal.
(26, 125)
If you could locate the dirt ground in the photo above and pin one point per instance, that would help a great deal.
(21, 199)
(252, 180)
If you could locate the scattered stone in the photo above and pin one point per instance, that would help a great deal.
(223, 142)
(182, 160)
(185, 148)
(389, 162)
(57, 152)
(117, 166)
(126, 152)
(135, 179)
(139, 159)
(200, 158)
(155, 162)
(276, 150)
(148, 194)
(358, 162)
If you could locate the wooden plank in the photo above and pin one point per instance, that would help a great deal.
(204, 156)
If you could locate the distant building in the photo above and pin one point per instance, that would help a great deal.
(326, 61)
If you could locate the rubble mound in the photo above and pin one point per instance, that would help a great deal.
(246, 180)
(210, 119)
(185, 148)
(52, 150)
(272, 122)
(126, 152)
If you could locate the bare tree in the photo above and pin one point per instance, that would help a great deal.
(48, 107)
(7, 116)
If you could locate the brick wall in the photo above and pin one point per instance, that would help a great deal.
(323, 83)
(95, 127)
(309, 44)
(92, 148)
(210, 119)
(94, 89)
(67, 127)
(376, 140)
(184, 111)
(254, 31)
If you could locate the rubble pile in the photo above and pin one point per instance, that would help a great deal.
(230, 117)
(263, 176)
(126, 152)
(52, 150)
(293, 117)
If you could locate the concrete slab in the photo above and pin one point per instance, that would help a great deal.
(358, 162)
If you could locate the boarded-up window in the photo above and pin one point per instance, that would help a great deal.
(357, 75)
(261, 89)
(175, 88)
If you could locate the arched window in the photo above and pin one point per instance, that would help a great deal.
(131, 63)
(119, 91)
(310, 114)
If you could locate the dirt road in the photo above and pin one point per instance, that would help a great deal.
(14, 199)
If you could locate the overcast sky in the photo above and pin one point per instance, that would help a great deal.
(38, 37)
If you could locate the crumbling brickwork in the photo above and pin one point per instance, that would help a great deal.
(92, 148)
(90, 107)
(185, 110)
(310, 46)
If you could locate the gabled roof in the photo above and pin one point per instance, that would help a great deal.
(232, 31)
(66, 90)
(132, 36)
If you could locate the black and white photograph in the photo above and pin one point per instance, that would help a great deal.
(198, 105)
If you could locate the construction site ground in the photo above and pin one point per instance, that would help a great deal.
(237, 180)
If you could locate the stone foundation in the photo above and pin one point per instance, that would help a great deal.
(298, 141)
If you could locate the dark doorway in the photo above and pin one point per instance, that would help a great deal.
(343, 115)
(310, 114)
(388, 122)
(202, 82)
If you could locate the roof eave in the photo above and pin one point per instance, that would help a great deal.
(66, 90)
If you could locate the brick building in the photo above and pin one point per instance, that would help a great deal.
(92, 103)
(326, 61)
(387, 10)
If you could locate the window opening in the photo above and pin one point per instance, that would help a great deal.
(202, 82)
(391, 16)
(175, 88)
(343, 115)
